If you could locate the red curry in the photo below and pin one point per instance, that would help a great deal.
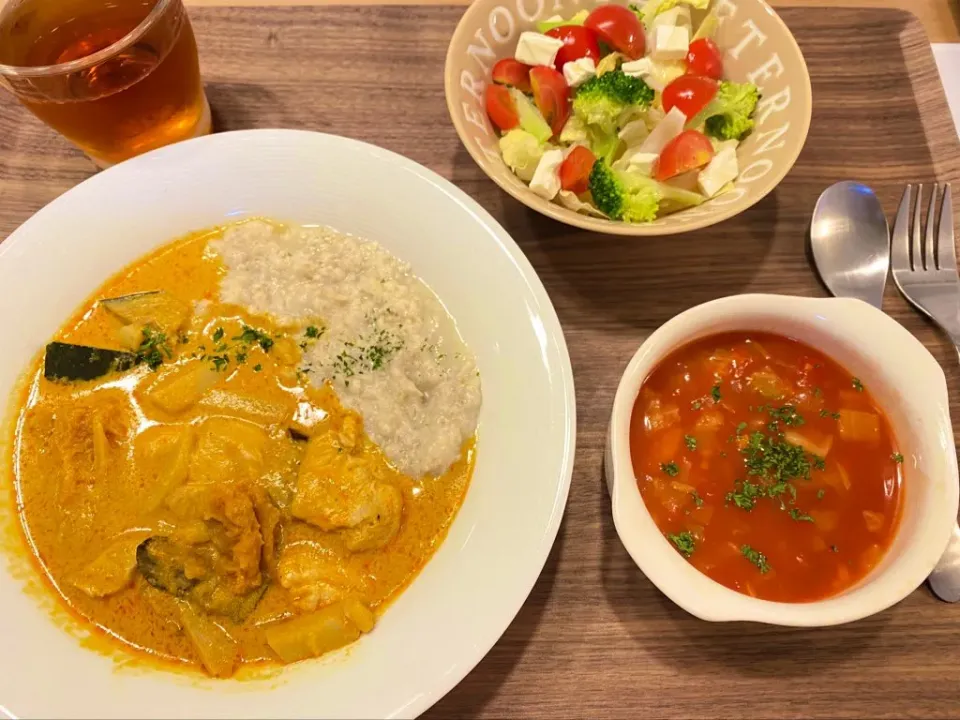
(767, 465)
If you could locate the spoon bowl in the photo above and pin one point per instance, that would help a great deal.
(851, 242)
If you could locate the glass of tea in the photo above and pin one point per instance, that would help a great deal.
(115, 77)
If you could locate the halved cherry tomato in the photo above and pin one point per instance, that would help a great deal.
(501, 108)
(688, 150)
(512, 73)
(689, 93)
(619, 28)
(578, 42)
(575, 169)
(552, 96)
(704, 58)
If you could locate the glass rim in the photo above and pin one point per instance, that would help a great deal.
(88, 61)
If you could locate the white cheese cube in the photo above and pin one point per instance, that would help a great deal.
(665, 131)
(546, 178)
(536, 49)
(577, 72)
(637, 162)
(670, 43)
(721, 170)
(637, 68)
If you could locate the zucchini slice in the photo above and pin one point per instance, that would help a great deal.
(156, 307)
(65, 361)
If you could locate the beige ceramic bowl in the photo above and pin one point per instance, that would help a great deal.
(757, 47)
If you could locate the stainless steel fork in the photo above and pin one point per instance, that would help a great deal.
(924, 263)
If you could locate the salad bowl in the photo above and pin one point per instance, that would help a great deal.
(755, 46)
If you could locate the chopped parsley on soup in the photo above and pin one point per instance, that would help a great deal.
(767, 465)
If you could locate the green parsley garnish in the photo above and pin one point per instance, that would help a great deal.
(787, 414)
(745, 494)
(696, 405)
(684, 542)
(715, 393)
(817, 392)
(897, 458)
(797, 514)
(697, 500)
(670, 469)
(820, 493)
(819, 463)
(241, 358)
(153, 347)
(218, 335)
(635, 9)
(220, 361)
(827, 413)
(312, 331)
(691, 442)
(775, 458)
(258, 367)
(756, 557)
(741, 427)
(252, 335)
(857, 385)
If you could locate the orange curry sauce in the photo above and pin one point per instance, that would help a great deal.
(767, 465)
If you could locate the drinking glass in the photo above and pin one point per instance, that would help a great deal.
(115, 77)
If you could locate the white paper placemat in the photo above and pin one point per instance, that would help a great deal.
(948, 63)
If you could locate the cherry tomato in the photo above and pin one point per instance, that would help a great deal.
(552, 96)
(704, 58)
(512, 73)
(688, 150)
(619, 28)
(501, 108)
(575, 169)
(689, 93)
(578, 42)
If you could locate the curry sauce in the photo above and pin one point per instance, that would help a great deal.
(203, 502)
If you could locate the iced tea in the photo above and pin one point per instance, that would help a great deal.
(116, 77)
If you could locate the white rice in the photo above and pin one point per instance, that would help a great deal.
(388, 345)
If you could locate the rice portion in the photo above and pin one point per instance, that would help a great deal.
(386, 343)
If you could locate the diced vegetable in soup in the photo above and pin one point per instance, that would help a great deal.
(767, 465)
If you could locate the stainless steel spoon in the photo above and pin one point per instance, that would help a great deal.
(851, 242)
(851, 249)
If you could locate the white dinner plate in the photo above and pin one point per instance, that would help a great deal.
(467, 595)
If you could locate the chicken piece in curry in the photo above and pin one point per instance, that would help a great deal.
(187, 490)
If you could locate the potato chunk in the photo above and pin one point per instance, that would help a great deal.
(318, 633)
(182, 387)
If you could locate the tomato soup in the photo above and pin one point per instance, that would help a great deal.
(767, 465)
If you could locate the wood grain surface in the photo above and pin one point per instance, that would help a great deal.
(940, 18)
(595, 638)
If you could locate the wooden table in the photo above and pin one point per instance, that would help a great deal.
(941, 18)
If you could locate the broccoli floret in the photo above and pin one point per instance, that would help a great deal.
(624, 196)
(729, 114)
(600, 100)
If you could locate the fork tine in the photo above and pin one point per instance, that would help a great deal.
(900, 245)
(947, 251)
(929, 235)
(916, 248)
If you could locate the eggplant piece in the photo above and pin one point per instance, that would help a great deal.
(65, 361)
(155, 307)
(161, 565)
